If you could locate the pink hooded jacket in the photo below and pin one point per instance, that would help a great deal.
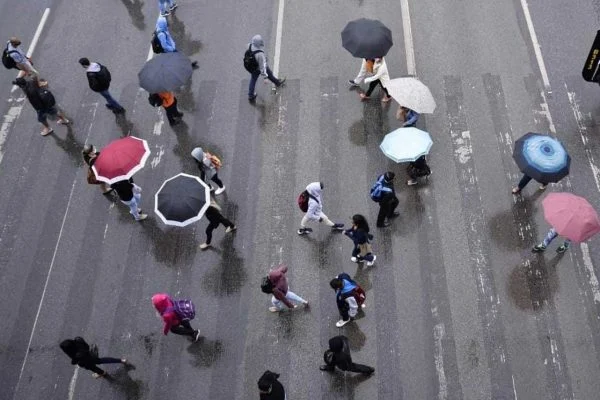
(162, 302)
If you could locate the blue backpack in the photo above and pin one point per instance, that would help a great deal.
(184, 309)
(379, 189)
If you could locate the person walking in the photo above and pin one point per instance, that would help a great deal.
(208, 164)
(255, 62)
(349, 296)
(19, 57)
(169, 102)
(164, 36)
(173, 322)
(408, 117)
(550, 236)
(366, 67)
(359, 233)
(42, 100)
(380, 77)
(86, 357)
(90, 154)
(315, 210)
(215, 218)
(417, 169)
(338, 355)
(130, 194)
(383, 193)
(269, 387)
(523, 182)
(166, 7)
(99, 81)
(277, 285)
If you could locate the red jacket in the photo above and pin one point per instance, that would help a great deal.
(279, 281)
(162, 302)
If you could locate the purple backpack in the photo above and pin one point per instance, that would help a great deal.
(184, 309)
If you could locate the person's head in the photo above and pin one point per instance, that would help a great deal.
(88, 149)
(257, 41)
(15, 41)
(84, 62)
(336, 344)
(198, 154)
(389, 176)
(69, 347)
(360, 222)
(336, 283)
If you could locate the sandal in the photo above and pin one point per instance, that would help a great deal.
(364, 97)
(516, 190)
(46, 133)
(63, 121)
(386, 99)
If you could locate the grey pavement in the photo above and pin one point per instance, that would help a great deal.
(457, 305)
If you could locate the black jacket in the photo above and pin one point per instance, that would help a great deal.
(124, 189)
(32, 91)
(99, 81)
(338, 354)
(277, 391)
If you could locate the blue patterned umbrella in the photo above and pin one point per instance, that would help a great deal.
(542, 157)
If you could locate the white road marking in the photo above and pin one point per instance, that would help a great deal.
(36, 37)
(72, 384)
(438, 336)
(536, 46)
(589, 266)
(150, 54)
(278, 38)
(514, 387)
(409, 46)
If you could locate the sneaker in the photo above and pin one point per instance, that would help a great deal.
(63, 121)
(165, 14)
(282, 82)
(395, 214)
(352, 83)
(354, 259)
(197, 335)
(274, 309)
(230, 229)
(204, 246)
(538, 248)
(119, 110)
(220, 190)
(543, 187)
(142, 217)
(384, 225)
(411, 182)
(338, 227)
(252, 98)
(516, 190)
(304, 231)
(306, 304)
(363, 305)
(103, 375)
(341, 322)
(124, 361)
(173, 7)
(371, 263)
(561, 249)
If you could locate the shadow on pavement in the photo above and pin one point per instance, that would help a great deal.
(357, 133)
(229, 276)
(173, 246)
(124, 124)
(205, 352)
(71, 145)
(534, 282)
(345, 383)
(134, 8)
(131, 389)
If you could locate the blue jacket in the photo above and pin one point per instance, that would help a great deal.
(411, 118)
(162, 32)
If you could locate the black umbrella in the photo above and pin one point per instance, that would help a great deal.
(165, 72)
(367, 38)
(181, 200)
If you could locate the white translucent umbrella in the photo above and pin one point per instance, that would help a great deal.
(406, 144)
(411, 93)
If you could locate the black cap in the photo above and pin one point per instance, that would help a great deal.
(389, 176)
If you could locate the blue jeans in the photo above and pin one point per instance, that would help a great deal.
(112, 103)
(254, 78)
(134, 205)
(551, 235)
(291, 296)
(162, 5)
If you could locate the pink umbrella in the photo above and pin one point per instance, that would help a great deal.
(121, 159)
(572, 216)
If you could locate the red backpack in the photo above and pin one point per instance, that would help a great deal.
(303, 200)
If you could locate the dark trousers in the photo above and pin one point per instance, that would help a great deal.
(215, 224)
(102, 360)
(184, 328)
(215, 178)
(372, 86)
(386, 209)
(173, 113)
(363, 369)
(254, 77)
(524, 181)
(356, 253)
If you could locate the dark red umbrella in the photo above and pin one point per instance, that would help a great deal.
(121, 159)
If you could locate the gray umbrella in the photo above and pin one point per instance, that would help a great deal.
(367, 38)
(165, 72)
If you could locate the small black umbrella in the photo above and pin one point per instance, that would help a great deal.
(367, 38)
(165, 72)
(182, 200)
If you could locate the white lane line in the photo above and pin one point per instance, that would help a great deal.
(409, 46)
(536, 46)
(150, 54)
(36, 37)
(72, 384)
(278, 38)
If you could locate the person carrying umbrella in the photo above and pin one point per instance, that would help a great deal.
(417, 169)
(570, 216)
(130, 194)
(380, 77)
(169, 102)
(90, 155)
(215, 218)
(407, 116)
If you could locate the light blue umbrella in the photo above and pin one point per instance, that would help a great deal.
(406, 144)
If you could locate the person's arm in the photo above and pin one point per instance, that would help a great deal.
(281, 297)
(362, 72)
(282, 269)
(381, 69)
(19, 56)
(166, 42)
(353, 306)
(262, 63)
(413, 117)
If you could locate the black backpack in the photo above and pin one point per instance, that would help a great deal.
(250, 62)
(266, 285)
(7, 60)
(47, 98)
(156, 46)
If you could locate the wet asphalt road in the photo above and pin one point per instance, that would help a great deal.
(458, 306)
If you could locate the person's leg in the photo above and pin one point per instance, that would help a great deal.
(372, 86)
(227, 223)
(363, 369)
(41, 117)
(175, 109)
(184, 328)
(252, 86)
(392, 207)
(294, 297)
(162, 6)
(215, 179)
(523, 182)
(272, 77)
(387, 96)
(98, 372)
(108, 360)
(209, 229)
(110, 101)
(382, 214)
(133, 208)
(278, 305)
(550, 236)
(326, 220)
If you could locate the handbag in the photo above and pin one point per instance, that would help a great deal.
(365, 248)
(91, 177)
